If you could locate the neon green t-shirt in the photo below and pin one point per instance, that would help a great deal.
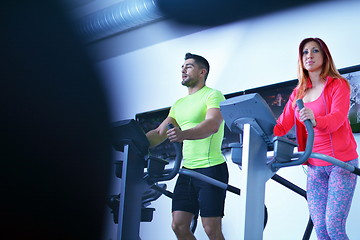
(189, 112)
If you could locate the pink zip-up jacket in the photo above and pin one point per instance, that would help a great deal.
(336, 98)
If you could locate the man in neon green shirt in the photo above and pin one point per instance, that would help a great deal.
(200, 126)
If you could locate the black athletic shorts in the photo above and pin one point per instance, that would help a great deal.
(193, 195)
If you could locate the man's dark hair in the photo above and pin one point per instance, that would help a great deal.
(200, 61)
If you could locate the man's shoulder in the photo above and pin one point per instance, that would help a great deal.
(215, 93)
(213, 90)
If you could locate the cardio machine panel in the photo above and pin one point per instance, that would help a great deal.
(248, 108)
(126, 131)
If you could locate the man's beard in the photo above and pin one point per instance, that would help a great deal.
(189, 82)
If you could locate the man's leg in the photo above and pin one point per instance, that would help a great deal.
(181, 225)
(184, 207)
(212, 200)
(212, 227)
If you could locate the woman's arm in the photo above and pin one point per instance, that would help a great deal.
(286, 120)
(339, 106)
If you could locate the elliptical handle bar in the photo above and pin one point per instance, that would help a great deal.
(309, 144)
(178, 158)
(356, 171)
(308, 150)
(310, 138)
(303, 156)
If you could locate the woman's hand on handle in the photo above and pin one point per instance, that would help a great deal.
(307, 113)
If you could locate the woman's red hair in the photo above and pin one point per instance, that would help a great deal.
(328, 67)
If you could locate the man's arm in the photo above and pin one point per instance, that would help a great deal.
(158, 135)
(204, 129)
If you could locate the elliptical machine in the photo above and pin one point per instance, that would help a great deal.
(138, 188)
(250, 116)
(140, 175)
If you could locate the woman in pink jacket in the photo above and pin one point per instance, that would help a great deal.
(326, 96)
